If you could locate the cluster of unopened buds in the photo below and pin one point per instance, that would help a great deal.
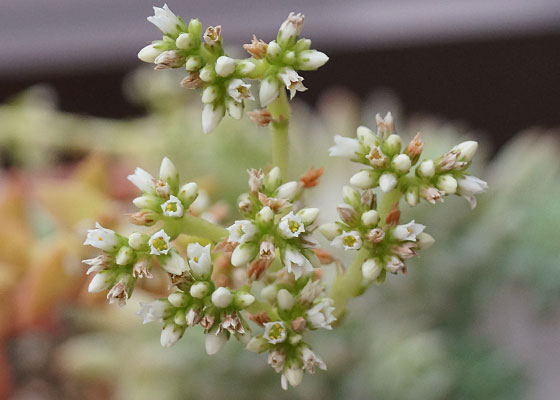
(260, 279)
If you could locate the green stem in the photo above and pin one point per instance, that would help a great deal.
(280, 111)
(196, 226)
(349, 284)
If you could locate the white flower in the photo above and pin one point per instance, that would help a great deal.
(310, 359)
(292, 81)
(291, 225)
(320, 316)
(290, 28)
(165, 20)
(211, 117)
(239, 90)
(171, 334)
(387, 182)
(222, 297)
(225, 66)
(143, 180)
(241, 231)
(152, 311)
(214, 341)
(102, 238)
(98, 263)
(173, 207)
(118, 293)
(394, 265)
(310, 291)
(173, 263)
(469, 186)
(345, 147)
(408, 231)
(200, 260)
(311, 60)
(348, 241)
(276, 360)
(159, 243)
(275, 332)
(149, 53)
(296, 263)
(268, 91)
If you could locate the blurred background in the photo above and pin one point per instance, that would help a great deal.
(477, 317)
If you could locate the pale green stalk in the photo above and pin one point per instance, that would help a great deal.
(280, 111)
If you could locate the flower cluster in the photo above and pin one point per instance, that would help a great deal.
(221, 77)
(389, 165)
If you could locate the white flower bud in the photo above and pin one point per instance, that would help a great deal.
(272, 179)
(173, 263)
(168, 171)
(447, 183)
(402, 163)
(193, 63)
(370, 218)
(330, 230)
(285, 299)
(269, 293)
(387, 182)
(268, 91)
(424, 240)
(199, 290)
(362, 180)
(312, 59)
(235, 109)
(222, 297)
(265, 215)
(149, 53)
(244, 68)
(144, 202)
(392, 145)
(243, 299)
(207, 74)
(466, 150)
(288, 191)
(273, 50)
(427, 169)
(371, 269)
(294, 375)
(225, 66)
(214, 342)
(411, 196)
(211, 117)
(138, 240)
(125, 256)
(177, 299)
(209, 95)
(257, 344)
(170, 335)
(103, 280)
(184, 41)
(289, 58)
(188, 193)
(351, 196)
(242, 255)
(308, 215)
(366, 136)
(180, 318)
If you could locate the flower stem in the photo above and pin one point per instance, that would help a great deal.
(349, 284)
(280, 111)
(196, 226)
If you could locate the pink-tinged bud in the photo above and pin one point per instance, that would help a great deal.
(257, 48)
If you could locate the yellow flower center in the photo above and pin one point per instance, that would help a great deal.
(294, 226)
(240, 231)
(159, 244)
(349, 241)
(171, 207)
(276, 331)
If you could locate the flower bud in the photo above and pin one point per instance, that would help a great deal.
(207, 74)
(269, 293)
(222, 297)
(294, 375)
(177, 299)
(411, 196)
(173, 263)
(138, 240)
(149, 202)
(330, 230)
(225, 66)
(272, 179)
(171, 334)
(308, 215)
(466, 150)
(427, 169)
(169, 59)
(125, 256)
(235, 108)
(188, 193)
(168, 172)
(209, 95)
(269, 90)
(370, 218)
(424, 240)
(103, 280)
(302, 44)
(243, 299)
(179, 318)
(243, 254)
(184, 41)
(401, 163)
(447, 183)
(392, 145)
(265, 216)
(195, 27)
(244, 68)
(285, 299)
(362, 180)
(346, 213)
(273, 50)
(387, 182)
(199, 289)
(289, 58)
(288, 191)
(366, 136)
(311, 60)
(215, 341)
(193, 63)
(257, 344)
(290, 29)
(371, 269)
(149, 53)
(211, 117)
(351, 196)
